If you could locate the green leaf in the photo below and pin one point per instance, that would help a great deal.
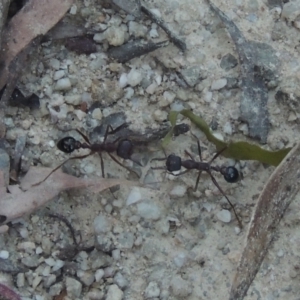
(238, 150)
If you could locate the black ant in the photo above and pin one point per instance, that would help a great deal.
(230, 174)
(122, 146)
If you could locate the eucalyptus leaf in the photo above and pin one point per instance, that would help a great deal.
(240, 150)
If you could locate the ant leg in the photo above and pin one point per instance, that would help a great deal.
(158, 168)
(162, 158)
(197, 181)
(119, 163)
(199, 150)
(102, 165)
(189, 154)
(84, 136)
(56, 168)
(217, 154)
(231, 205)
(110, 130)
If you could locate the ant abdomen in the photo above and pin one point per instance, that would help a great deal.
(68, 144)
(125, 149)
(173, 163)
(231, 174)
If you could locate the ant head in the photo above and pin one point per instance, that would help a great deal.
(125, 149)
(173, 163)
(231, 174)
(68, 144)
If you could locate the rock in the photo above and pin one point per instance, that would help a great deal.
(137, 30)
(180, 260)
(228, 62)
(193, 75)
(74, 288)
(224, 216)
(218, 84)
(149, 210)
(30, 261)
(102, 224)
(114, 293)
(99, 274)
(97, 114)
(180, 287)
(56, 289)
(152, 290)
(63, 84)
(134, 196)
(54, 63)
(87, 278)
(114, 35)
(73, 99)
(59, 74)
(134, 77)
(126, 240)
(178, 191)
(121, 281)
(291, 10)
(116, 254)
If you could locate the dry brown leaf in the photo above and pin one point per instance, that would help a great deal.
(36, 18)
(278, 193)
(20, 202)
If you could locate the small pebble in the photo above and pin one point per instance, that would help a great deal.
(102, 224)
(4, 254)
(116, 254)
(178, 191)
(134, 196)
(149, 210)
(114, 293)
(97, 114)
(152, 290)
(36, 281)
(218, 84)
(134, 77)
(121, 281)
(63, 84)
(74, 288)
(180, 287)
(227, 128)
(59, 74)
(99, 274)
(180, 260)
(114, 35)
(73, 99)
(280, 253)
(293, 273)
(86, 277)
(224, 216)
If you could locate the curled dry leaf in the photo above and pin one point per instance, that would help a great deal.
(28, 198)
(275, 198)
(35, 19)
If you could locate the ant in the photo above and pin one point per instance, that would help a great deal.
(230, 174)
(122, 146)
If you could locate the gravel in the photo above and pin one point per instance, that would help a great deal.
(159, 239)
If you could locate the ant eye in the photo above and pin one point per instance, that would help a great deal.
(173, 163)
(125, 149)
(231, 174)
(67, 144)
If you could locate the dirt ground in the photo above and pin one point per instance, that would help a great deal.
(160, 239)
